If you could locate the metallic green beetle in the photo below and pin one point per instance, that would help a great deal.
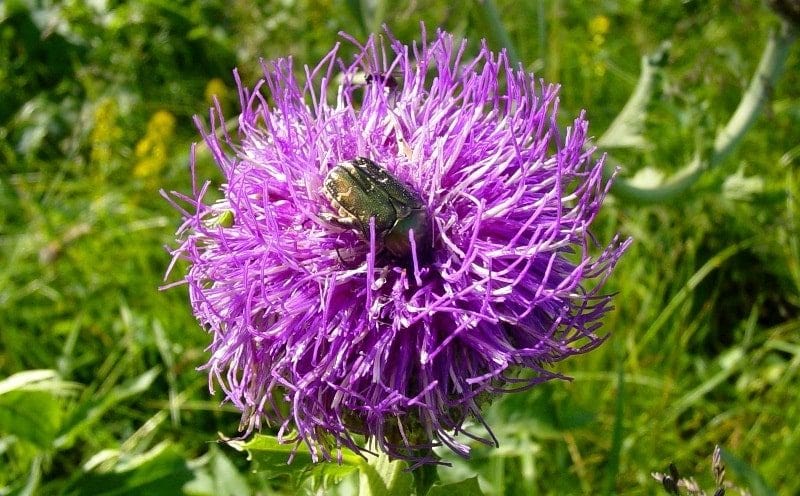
(360, 189)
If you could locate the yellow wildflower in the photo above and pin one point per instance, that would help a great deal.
(215, 87)
(105, 132)
(599, 25)
(152, 150)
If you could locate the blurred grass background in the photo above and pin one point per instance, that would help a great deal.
(96, 100)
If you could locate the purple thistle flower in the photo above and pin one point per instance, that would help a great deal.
(320, 330)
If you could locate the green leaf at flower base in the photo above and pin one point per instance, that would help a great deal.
(272, 457)
(467, 487)
(382, 476)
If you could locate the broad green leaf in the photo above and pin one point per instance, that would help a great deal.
(34, 416)
(381, 476)
(161, 471)
(30, 406)
(216, 476)
(272, 457)
(467, 487)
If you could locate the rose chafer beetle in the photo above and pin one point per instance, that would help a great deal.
(360, 189)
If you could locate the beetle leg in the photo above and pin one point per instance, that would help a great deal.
(344, 222)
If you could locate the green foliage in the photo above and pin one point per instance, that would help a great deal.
(30, 406)
(467, 487)
(384, 476)
(99, 389)
(749, 477)
(272, 457)
(216, 475)
(377, 475)
(161, 471)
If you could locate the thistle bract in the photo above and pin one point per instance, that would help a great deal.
(320, 332)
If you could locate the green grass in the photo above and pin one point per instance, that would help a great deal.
(705, 344)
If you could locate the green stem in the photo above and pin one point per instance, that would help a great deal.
(769, 70)
(766, 76)
(499, 32)
(626, 129)
(424, 477)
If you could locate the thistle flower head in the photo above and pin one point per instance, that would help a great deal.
(332, 314)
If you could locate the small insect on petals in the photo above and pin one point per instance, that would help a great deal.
(360, 190)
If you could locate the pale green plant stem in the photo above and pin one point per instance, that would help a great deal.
(770, 68)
